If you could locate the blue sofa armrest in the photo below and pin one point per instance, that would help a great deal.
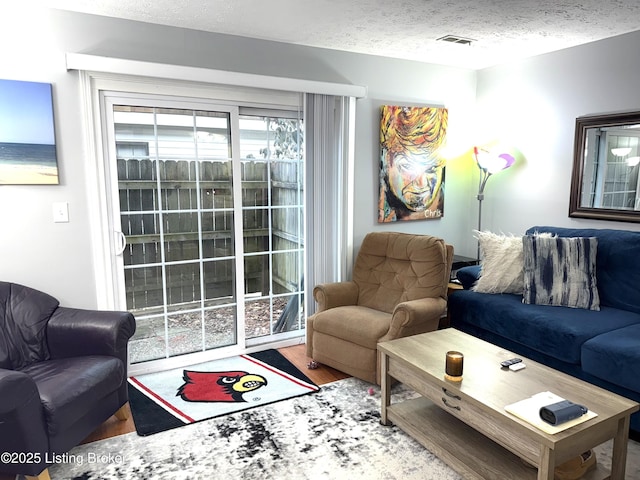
(468, 276)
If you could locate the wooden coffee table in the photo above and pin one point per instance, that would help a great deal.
(465, 423)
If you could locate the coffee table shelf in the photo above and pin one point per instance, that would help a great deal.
(467, 451)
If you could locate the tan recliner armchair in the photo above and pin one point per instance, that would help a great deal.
(399, 288)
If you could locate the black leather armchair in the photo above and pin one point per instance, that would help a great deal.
(63, 372)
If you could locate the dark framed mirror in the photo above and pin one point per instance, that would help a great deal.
(605, 181)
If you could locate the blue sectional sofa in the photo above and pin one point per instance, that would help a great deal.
(601, 347)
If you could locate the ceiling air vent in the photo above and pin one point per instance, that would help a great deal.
(455, 39)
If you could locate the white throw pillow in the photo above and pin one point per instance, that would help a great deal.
(501, 263)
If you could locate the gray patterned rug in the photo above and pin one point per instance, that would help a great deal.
(332, 434)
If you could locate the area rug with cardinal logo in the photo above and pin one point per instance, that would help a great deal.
(173, 398)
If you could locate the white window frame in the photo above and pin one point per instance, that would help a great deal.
(101, 73)
(100, 181)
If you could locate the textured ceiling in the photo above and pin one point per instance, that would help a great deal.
(502, 30)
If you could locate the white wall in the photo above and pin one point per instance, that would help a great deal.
(57, 258)
(394, 82)
(54, 257)
(533, 104)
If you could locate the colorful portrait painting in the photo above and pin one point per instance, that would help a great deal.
(412, 165)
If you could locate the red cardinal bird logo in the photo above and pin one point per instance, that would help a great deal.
(218, 386)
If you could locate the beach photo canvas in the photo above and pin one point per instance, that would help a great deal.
(27, 134)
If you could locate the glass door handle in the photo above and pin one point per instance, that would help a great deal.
(121, 242)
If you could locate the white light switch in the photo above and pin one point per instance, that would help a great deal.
(60, 212)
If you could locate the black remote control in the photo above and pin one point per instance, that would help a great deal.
(508, 363)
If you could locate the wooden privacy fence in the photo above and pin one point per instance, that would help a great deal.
(193, 212)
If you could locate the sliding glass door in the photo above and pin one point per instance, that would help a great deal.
(210, 206)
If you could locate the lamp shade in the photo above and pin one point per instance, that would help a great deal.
(492, 162)
(489, 162)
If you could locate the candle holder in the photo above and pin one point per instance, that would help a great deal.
(453, 366)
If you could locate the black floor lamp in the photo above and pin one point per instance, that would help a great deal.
(488, 162)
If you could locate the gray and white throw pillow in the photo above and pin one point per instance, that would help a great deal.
(560, 271)
(501, 262)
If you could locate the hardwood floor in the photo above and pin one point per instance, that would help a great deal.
(295, 354)
(323, 374)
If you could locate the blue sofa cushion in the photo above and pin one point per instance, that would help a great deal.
(617, 263)
(558, 332)
(468, 276)
(560, 271)
(615, 357)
